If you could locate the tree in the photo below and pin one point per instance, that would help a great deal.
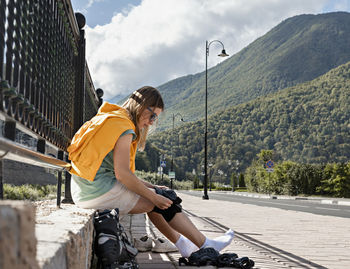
(233, 181)
(195, 181)
(337, 182)
(241, 180)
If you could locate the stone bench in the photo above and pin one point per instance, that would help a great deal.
(41, 235)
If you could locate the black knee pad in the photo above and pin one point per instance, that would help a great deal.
(170, 212)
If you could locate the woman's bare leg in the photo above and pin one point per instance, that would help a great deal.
(142, 206)
(163, 226)
(179, 224)
(184, 245)
(182, 224)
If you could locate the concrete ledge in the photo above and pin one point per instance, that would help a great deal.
(17, 236)
(64, 235)
(62, 238)
(40, 235)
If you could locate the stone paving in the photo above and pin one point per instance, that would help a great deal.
(137, 226)
(272, 237)
(301, 240)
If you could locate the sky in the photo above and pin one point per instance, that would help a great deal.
(133, 43)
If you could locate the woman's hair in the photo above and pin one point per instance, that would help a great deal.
(139, 101)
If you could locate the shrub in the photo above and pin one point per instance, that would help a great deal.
(29, 192)
(337, 180)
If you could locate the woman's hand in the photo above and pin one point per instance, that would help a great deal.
(162, 202)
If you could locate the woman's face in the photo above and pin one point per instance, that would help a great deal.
(148, 116)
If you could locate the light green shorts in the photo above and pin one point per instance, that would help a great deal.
(118, 197)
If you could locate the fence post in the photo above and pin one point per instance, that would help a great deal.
(40, 146)
(80, 63)
(10, 130)
(1, 180)
(67, 190)
(59, 180)
(9, 133)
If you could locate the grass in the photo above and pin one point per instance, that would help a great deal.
(30, 192)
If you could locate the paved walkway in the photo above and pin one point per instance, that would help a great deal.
(273, 238)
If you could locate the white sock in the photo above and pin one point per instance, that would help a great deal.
(185, 246)
(220, 242)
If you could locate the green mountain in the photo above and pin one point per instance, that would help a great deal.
(308, 123)
(299, 49)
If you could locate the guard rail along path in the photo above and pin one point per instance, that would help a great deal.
(46, 91)
(46, 94)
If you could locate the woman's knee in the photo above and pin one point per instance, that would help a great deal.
(142, 206)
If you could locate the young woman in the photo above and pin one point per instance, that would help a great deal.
(102, 155)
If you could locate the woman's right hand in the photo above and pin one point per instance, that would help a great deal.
(162, 202)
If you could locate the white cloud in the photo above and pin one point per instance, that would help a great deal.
(163, 39)
(91, 2)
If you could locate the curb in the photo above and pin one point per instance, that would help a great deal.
(65, 236)
(335, 202)
(339, 201)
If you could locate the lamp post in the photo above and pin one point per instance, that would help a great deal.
(222, 54)
(210, 176)
(172, 155)
(162, 164)
(237, 164)
(236, 174)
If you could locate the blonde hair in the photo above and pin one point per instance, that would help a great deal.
(139, 101)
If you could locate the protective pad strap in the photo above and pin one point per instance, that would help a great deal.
(170, 212)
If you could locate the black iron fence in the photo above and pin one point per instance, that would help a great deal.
(45, 84)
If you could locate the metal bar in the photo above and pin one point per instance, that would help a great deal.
(2, 36)
(40, 147)
(30, 156)
(9, 133)
(205, 183)
(59, 189)
(45, 83)
(1, 180)
(80, 83)
(59, 180)
(10, 130)
(73, 22)
(67, 190)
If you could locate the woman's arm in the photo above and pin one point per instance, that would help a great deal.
(150, 185)
(147, 184)
(123, 173)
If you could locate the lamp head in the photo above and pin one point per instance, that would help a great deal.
(223, 53)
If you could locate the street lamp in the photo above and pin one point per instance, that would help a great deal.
(237, 164)
(172, 155)
(211, 174)
(236, 175)
(222, 54)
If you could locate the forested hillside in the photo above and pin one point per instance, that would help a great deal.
(297, 50)
(307, 123)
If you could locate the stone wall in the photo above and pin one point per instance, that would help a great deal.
(17, 173)
(41, 236)
(17, 235)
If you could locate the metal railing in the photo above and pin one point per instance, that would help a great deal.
(45, 84)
